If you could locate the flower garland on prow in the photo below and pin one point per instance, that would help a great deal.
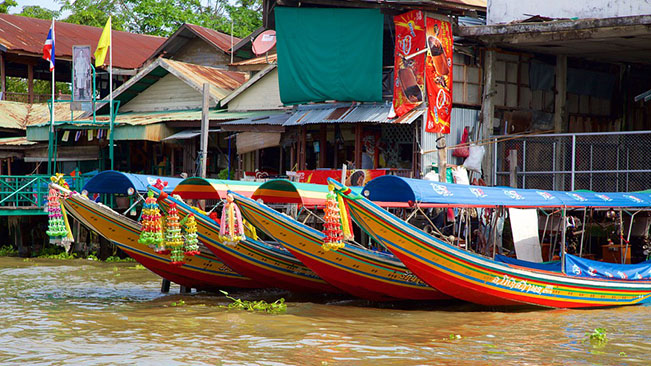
(231, 231)
(335, 227)
(58, 224)
(56, 228)
(189, 225)
(173, 238)
(152, 226)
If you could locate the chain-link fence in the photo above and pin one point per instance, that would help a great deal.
(603, 162)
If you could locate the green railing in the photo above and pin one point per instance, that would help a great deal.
(27, 194)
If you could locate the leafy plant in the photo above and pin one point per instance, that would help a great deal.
(92, 257)
(8, 251)
(178, 303)
(275, 307)
(115, 258)
(223, 174)
(55, 252)
(598, 337)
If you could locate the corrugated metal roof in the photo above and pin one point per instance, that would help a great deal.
(16, 115)
(187, 32)
(219, 39)
(16, 141)
(222, 82)
(262, 60)
(348, 113)
(26, 35)
(148, 118)
(269, 120)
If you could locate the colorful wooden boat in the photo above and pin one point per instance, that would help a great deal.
(268, 264)
(482, 280)
(356, 270)
(202, 271)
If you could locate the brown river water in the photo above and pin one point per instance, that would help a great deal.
(81, 312)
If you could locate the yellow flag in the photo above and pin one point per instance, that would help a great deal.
(103, 44)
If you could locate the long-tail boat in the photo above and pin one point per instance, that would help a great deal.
(365, 273)
(202, 271)
(268, 264)
(580, 283)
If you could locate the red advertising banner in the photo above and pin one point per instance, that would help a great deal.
(354, 177)
(438, 75)
(409, 61)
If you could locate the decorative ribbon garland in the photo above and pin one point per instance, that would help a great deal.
(332, 227)
(173, 239)
(189, 225)
(152, 226)
(231, 231)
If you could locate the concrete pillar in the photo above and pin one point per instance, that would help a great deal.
(488, 112)
(560, 120)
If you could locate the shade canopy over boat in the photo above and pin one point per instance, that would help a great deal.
(395, 189)
(213, 189)
(286, 191)
(115, 182)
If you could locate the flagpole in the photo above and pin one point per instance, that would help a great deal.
(111, 92)
(50, 162)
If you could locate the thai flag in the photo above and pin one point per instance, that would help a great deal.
(48, 47)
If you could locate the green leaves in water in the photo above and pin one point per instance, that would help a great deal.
(178, 303)
(275, 307)
(597, 338)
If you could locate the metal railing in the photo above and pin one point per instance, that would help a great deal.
(604, 162)
(29, 191)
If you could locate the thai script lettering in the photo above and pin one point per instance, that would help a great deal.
(523, 285)
(513, 195)
(442, 190)
(546, 195)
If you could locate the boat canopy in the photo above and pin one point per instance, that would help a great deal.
(286, 191)
(213, 189)
(388, 189)
(115, 182)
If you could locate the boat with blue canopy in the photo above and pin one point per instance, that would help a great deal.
(116, 182)
(477, 277)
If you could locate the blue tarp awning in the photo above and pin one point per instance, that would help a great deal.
(114, 182)
(391, 188)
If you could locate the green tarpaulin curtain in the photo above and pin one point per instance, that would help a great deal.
(329, 54)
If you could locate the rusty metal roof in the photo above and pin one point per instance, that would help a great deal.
(24, 35)
(262, 60)
(16, 141)
(348, 113)
(219, 39)
(187, 31)
(16, 115)
(221, 82)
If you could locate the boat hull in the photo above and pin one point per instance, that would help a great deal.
(357, 271)
(202, 271)
(481, 280)
(270, 266)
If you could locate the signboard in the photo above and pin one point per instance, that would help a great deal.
(82, 85)
(409, 62)
(438, 75)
